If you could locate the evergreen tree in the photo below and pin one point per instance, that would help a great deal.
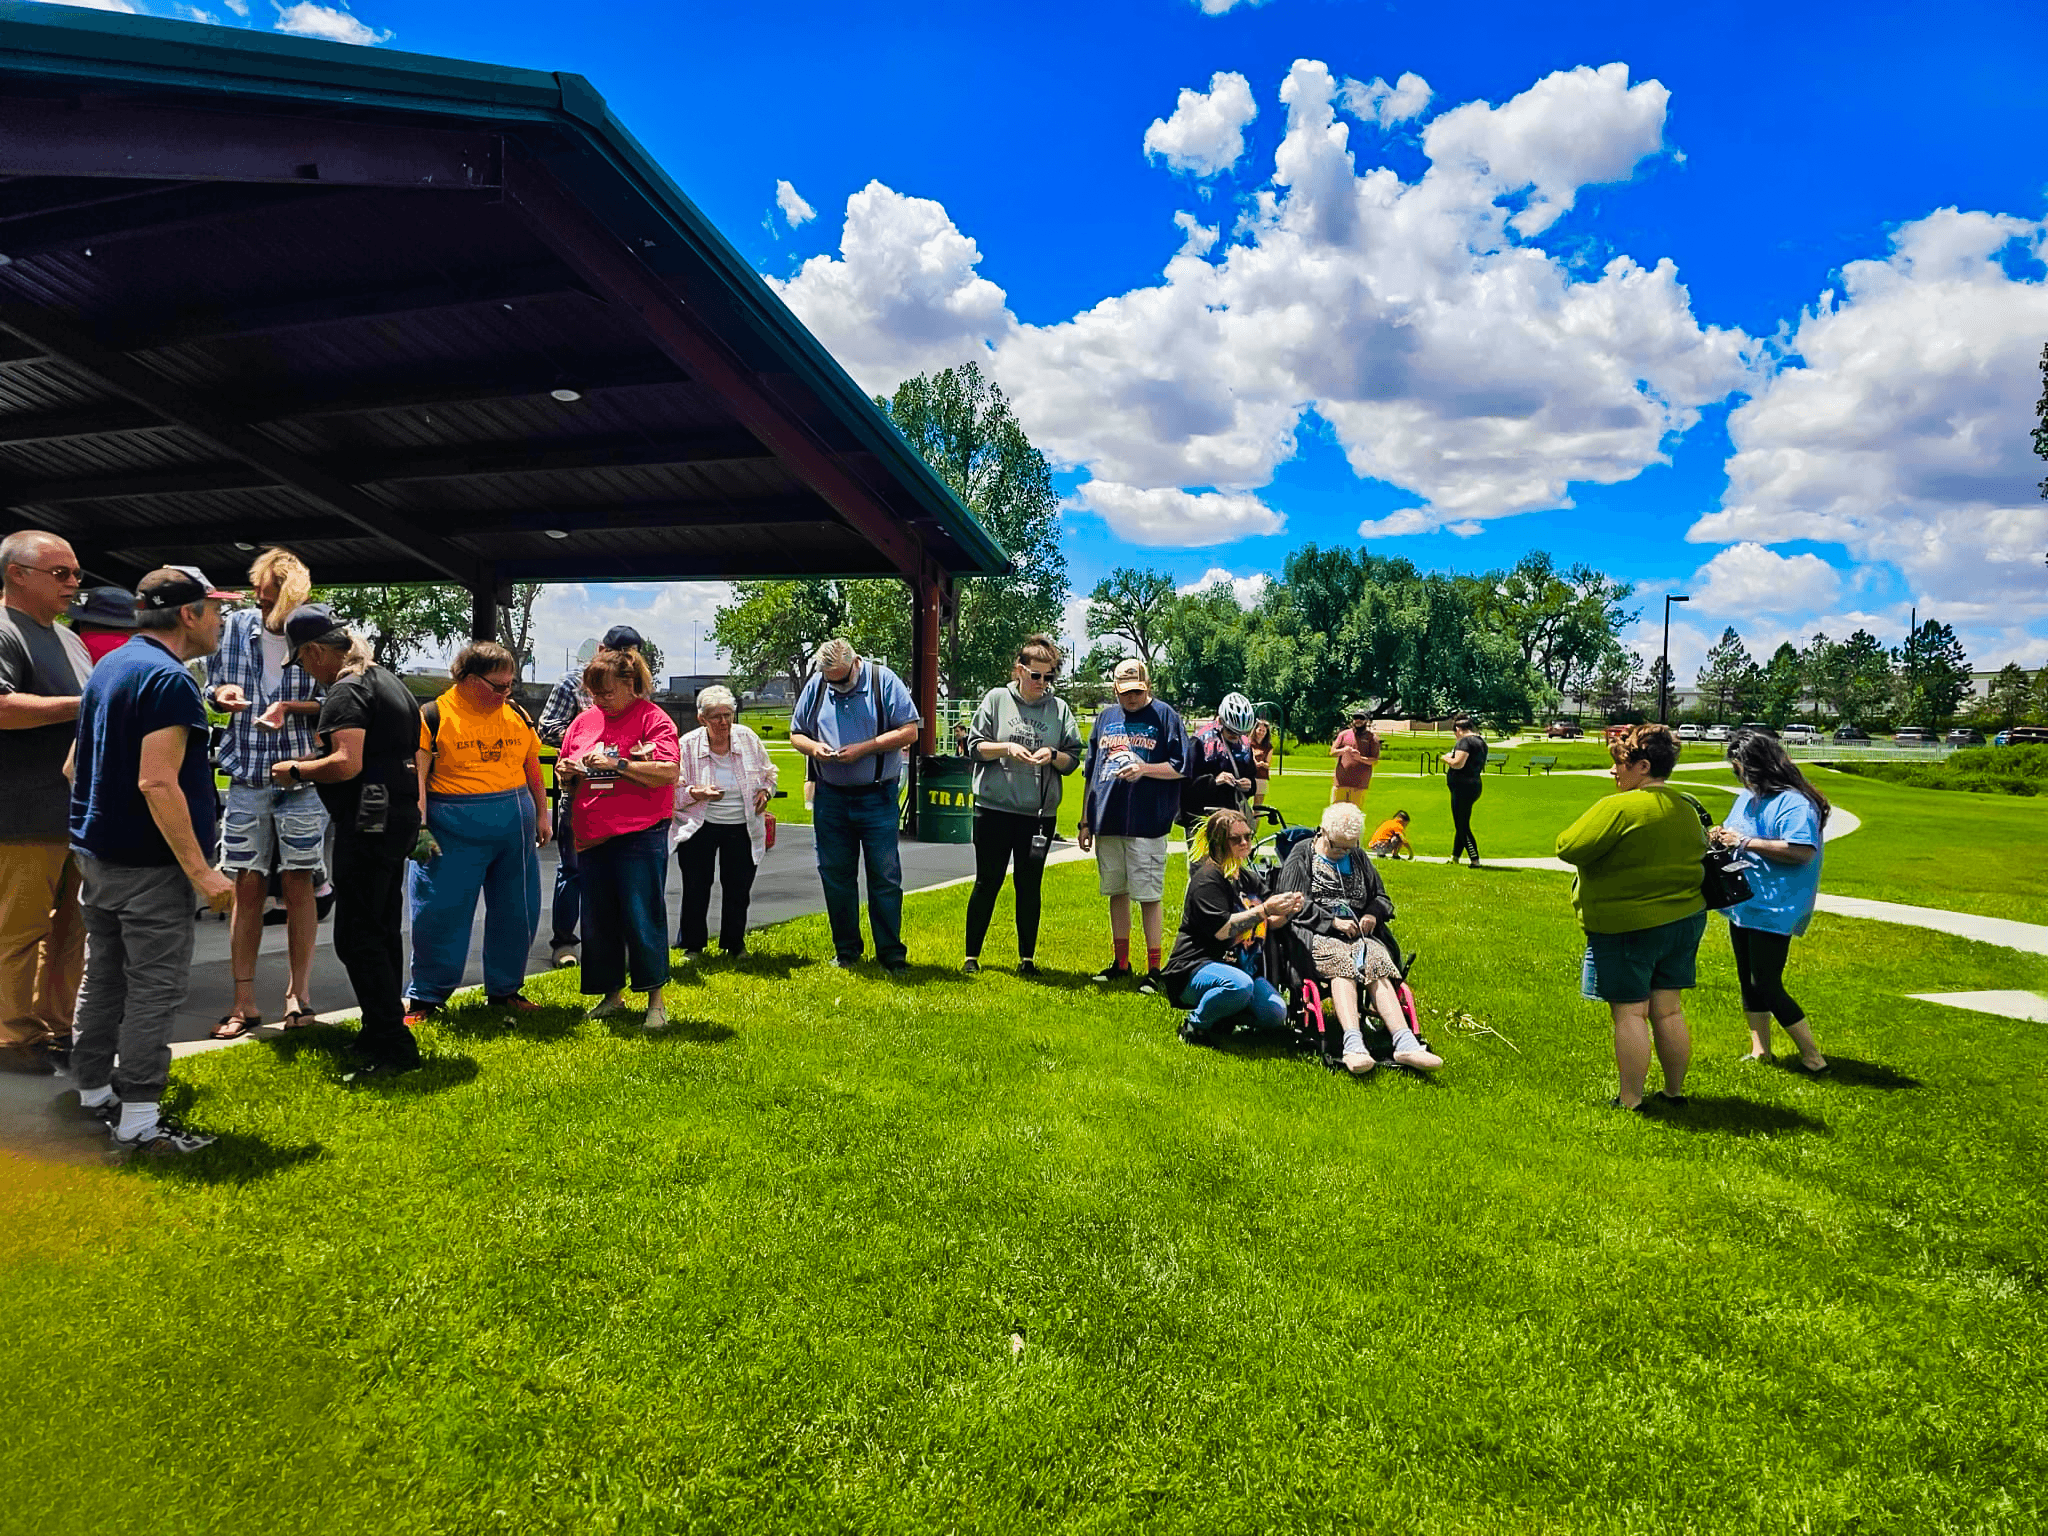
(1783, 685)
(1723, 676)
(1933, 675)
(2005, 701)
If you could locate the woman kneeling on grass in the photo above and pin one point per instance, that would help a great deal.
(621, 756)
(1346, 903)
(1637, 894)
(1215, 970)
(1777, 817)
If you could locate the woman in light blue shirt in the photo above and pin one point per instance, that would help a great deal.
(1776, 820)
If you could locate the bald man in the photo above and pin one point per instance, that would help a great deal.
(43, 668)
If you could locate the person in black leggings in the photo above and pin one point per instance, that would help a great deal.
(1464, 767)
(1022, 740)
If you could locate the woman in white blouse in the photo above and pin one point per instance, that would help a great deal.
(721, 801)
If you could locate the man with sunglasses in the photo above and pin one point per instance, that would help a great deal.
(43, 669)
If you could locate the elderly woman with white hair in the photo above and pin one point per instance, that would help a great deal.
(1347, 904)
(721, 822)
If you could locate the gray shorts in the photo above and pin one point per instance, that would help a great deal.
(266, 829)
(1131, 866)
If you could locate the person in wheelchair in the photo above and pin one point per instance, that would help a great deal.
(1338, 936)
(1217, 968)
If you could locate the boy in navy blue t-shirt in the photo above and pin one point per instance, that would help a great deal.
(1137, 753)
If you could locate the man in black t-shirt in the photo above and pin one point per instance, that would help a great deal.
(370, 728)
(1464, 770)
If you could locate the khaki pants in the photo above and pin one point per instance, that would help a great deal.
(42, 940)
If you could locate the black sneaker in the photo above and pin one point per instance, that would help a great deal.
(108, 1114)
(1152, 985)
(168, 1139)
(375, 1071)
(1027, 967)
(1116, 970)
(970, 966)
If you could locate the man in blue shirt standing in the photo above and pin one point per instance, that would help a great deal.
(1137, 755)
(142, 820)
(854, 720)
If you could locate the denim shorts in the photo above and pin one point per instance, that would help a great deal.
(266, 829)
(1628, 967)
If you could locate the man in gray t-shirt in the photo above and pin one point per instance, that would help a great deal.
(43, 667)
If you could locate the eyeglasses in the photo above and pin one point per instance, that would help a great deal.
(501, 689)
(1240, 837)
(1036, 677)
(62, 574)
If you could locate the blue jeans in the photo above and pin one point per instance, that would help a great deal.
(486, 849)
(625, 911)
(847, 826)
(1222, 994)
(568, 881)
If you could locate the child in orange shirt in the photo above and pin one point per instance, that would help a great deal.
(1390, 838)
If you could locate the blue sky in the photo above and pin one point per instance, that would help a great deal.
(1395, 305)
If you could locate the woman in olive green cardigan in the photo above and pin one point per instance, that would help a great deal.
(1637, 894)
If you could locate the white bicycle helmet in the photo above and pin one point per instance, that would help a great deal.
(1235, 713)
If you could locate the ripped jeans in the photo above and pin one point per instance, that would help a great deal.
(266, 829)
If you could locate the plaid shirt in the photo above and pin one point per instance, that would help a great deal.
(567, 700)
(247, 751)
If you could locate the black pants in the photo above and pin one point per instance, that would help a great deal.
(999, 837)
(1464, 795)
(730, 850)
(369, 908)
(1760, 966)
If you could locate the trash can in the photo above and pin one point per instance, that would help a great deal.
(945, 800)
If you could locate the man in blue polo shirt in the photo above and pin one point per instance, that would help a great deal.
(853, 721)
(142, 820)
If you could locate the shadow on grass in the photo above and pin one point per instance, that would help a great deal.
(553, 1021)
(626, 1026)
(1731, 1117)
(1860, 1074)
(234, 1158)
(331, 1046)
(748, 963)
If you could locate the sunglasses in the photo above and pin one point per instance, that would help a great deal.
(60, 573)
(1036, 677)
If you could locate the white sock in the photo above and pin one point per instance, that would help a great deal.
(137, 1121)
(1354, 1040)
(93, 1098)
(1404, 1040)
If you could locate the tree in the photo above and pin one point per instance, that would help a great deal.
(1563, 622)
(1133, 606)
(1208, 642)
(2037, 700)
(1933, 674)
(650, 652)
(1660, 687)
(965, 430)
(2005, 701)
(1724, 675)
(1782, 685)
(1858, 680)
(402, 619)
(1614, 686)
(515, 622)
(774, 628)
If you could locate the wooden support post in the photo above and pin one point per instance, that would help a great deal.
(931, 603)
(487, 599)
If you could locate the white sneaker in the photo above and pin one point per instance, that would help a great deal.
(169, 1138)
(564, 955)
(1418, 1060)
(1358, 1063)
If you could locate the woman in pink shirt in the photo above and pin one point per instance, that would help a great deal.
(622, 758)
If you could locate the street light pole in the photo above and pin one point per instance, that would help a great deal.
(1664, 667)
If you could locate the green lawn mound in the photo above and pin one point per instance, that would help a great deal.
(844, 1254)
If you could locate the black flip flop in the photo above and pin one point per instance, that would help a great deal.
(245, 1025)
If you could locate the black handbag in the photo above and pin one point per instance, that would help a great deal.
(1722, 881)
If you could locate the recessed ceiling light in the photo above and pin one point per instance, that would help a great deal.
(558, 533)
(567, 396)
(240, 545)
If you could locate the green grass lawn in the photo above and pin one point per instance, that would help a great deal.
(770, 1271)
(1986, 854)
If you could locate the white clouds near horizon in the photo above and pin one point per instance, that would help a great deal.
(1247, 590)
(1205, 134)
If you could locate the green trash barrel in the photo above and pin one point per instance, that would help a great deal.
(945, 800)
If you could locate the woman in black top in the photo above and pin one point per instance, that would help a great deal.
(1215, 970)
(1464, 766)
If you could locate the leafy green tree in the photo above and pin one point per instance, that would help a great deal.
(1564, 622)
(2037, 699)
(1133, 606)
(1933, 674)
(2006, 699)
(404, 618)
(1208, 643)
(1724, 675)
(964, 427)
(773, 628)
(1782, 686)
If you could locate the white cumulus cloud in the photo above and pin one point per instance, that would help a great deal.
(794, 209)
(1747, 578)
(1220, 7)
(1375, 101)
(1205, 134)
(1176, 518)
(333, 23)
(1247, 590)
(1899, 427)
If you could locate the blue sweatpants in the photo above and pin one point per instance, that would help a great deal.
(486, 849)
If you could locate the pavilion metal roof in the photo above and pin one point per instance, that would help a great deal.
(259, 289)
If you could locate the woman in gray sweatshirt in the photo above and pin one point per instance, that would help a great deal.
(1022, 741)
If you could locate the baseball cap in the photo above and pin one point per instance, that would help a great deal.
(1358, 712)
(1131, 677)
(174, 586)
(313, 624)
(104, 608)
(623, 637)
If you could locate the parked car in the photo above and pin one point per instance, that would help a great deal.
(1688, 732)
(1563, 730)
(2028, 736)
(2002, 739)
(1964, 736)
(1760, 725)
(1854, 734)
(1714, 733)
(1912, 736)
(1799, 734)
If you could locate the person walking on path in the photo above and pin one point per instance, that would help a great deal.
(568, 699)
(1022, 742)
(621, 757)
(142, 821)
(853, 720)
(1357, 753)
(43, 670)
(1465, 776)
(1138, 753)
(721, 823)
(1777, 820)
(368, 778)
(485, 813)
(271, 706)
(1216, 971)
(1637, 894)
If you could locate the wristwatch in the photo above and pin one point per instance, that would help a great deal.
(293, 770)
